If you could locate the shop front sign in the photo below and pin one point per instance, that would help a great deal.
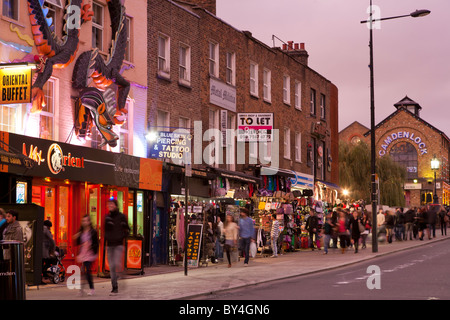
(15, 85)
(66, 161)
(194, 242)
(411, 137)
(222, 95)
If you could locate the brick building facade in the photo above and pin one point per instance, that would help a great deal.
(259, 79)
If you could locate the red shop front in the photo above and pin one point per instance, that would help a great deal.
(71, 181)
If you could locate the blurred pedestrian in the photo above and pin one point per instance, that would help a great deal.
(399, 224)
(365, 220)
(48, 246)
(343, 232)
(443, 219)
(409, 222)
(312, 225)
(327, 232)
(87, 240)
(389, 223)
(381, 226)
(422, 222)
(246, 232)
(274, 234)
(116, 230)
(231, 232)
(219, 231)
(354, 224)
(432, 220)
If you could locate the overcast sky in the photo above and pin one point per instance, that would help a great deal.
(411, 55)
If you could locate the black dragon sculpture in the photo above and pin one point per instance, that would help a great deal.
(54, 53)
(90, 66)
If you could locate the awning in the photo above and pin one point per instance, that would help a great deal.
(329, 184)
(235, 175)
(15, 159)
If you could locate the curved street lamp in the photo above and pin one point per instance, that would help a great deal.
(415, 14)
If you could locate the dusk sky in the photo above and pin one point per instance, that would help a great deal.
(411, 55)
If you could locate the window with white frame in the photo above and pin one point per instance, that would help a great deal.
(124, 130)
(254, 79)
(97, 26)
(10, 9)
(163, 55)
(231, 68)
(298, 95)
(214, 59)
(267, 85)
(57, 3)
(298, 147)
(47, 115)
(184, 123)
(267, 151)
(313, 101)
(287, 89)
(185, 64)
(322, 107)
(287, 143)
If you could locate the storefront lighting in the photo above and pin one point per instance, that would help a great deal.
(66, 181)
(345, 192)
(152, 136)
(415, 181)
(20, 65)
(47, 179)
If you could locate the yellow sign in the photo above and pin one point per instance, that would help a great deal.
(15, 85)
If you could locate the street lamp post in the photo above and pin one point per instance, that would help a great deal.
(435, 167)
(415, 14)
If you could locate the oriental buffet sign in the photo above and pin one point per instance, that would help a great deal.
(409, 136)
(56, 159)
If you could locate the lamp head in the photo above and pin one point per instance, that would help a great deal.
(420, 13)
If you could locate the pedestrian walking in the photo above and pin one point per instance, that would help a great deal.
(432, 220)
(354, 224)
(231, 233)
(116, 230)
(327, 232)
(409, 224)
(246, 232)
(274, 234)
(399, 224)
(443, 219)
(48, 246)
(219, 231)
(381, 226)
(87, 240)
(365, 220)
(312, 225)
(343, 232)
(422, 219)
(389, 223)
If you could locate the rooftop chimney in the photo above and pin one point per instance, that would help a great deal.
(296, 50)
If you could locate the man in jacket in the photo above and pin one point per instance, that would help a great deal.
(274, 234)
(312, 225)
(13, 231)
(246, 232)
(116, 230)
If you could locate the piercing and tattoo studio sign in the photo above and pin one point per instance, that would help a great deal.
(15, 85)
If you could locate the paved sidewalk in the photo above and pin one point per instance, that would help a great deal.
(169, 282)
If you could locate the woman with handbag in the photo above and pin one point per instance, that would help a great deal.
(231, 232)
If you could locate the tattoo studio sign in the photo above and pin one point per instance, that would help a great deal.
(410, 137)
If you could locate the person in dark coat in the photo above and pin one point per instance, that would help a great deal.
(312, 225)
(432, 220)
(116, 230)
(389, 223)
(409, 220)
(354, 222)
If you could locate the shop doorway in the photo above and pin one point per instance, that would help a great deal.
(159, 239)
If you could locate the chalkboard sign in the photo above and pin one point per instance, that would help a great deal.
(194, 243)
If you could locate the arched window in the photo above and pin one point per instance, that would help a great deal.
(405, 155)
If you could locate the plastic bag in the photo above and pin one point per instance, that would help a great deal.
(253, 249)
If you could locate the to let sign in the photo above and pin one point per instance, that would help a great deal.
(15, 85)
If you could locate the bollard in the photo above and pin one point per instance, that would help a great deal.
(12, 271)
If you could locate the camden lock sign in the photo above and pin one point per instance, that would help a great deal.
(411, 137)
